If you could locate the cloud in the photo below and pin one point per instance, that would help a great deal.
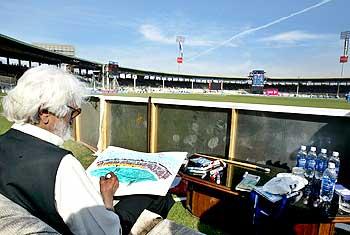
(154, 34)
(292, 37)
(252, 30)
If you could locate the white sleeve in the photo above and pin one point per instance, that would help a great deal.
(79, 204)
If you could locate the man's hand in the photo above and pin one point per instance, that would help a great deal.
(108, 186)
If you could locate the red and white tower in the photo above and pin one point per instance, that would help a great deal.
(180, 40)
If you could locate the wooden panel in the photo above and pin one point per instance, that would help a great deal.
(314, 229)
(306, 229)
(233, 131)
(232, 142)
(201, 203)
(106, 125)
(153, 128)
(326, 229)
(208, 185)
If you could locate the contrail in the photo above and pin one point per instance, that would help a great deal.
(259, 28)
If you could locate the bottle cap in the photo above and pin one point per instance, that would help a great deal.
(313, 148)
(303, 147)
(323, 150)
(335, 154)
(331, 165)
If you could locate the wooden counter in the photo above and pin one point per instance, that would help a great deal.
(222, 205)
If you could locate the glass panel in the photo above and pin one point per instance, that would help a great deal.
(90, 121)
(276, 137)
(128, 124)
(193, 129)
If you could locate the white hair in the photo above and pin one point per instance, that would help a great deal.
(43, 87)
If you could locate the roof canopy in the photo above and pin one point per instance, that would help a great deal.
(12, 48)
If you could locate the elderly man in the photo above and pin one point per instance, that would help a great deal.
(49, 181)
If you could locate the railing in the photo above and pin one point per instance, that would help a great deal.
(267, 134)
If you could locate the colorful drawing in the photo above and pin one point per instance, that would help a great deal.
(138, 172)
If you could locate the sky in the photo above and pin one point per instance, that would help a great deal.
(221, 38)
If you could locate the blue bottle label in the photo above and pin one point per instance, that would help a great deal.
(320, 166)
(302, 162)
(311, 164)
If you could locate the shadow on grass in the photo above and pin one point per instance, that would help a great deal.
(181, 215)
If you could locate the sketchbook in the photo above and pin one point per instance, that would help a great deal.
(137, 172)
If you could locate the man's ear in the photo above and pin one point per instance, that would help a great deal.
(44, 116)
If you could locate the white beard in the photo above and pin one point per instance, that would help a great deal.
(63, 130)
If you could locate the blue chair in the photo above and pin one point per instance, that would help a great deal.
(269, 217)
(264, 209)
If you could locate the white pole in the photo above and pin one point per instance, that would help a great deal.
(103, 79)
(180, 40)
(341, 76)
(298, 89)
(108, 85)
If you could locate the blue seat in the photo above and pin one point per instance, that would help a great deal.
(265, 210)
(270, 217)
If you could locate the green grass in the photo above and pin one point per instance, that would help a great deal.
(288, 101)
(80, 151)
(4, 124)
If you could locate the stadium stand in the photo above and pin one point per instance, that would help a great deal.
(23, 53)
(147, 81)
(123, 79)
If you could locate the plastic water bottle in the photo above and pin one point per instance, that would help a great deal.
(329, 178)
(301, 156)
(321, 163)
(335, 159)
(310, 163)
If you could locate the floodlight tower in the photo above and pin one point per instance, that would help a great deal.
(180, 40)
(344, 58)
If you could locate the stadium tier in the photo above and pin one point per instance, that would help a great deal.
(17, 56)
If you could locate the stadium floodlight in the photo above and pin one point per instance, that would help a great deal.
(180, 39)
(345, 35)
(344, 58)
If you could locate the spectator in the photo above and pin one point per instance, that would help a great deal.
(49, 181)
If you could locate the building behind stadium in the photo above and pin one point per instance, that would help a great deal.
(68, 50)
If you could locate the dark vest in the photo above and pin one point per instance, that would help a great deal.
(28, 167)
